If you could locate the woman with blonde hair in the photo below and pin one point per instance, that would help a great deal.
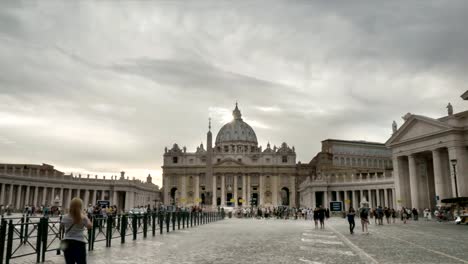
(74, 224)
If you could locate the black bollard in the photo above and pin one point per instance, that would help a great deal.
(109, 231)
(168, 218)
(173, 220)
(134, 226)
(123, 228)
(145, 225)
(191, 218)
(154, 223)
(178, 220)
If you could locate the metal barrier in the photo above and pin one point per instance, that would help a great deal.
(35, 236)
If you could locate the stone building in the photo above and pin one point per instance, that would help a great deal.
(235, 171)
(430, 158)
(349, 171)
(27, 184)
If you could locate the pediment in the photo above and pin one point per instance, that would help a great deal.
(418, 127)
(229, 162)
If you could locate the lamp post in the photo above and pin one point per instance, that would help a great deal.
(454, 164)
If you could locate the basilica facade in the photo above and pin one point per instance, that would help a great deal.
(234, 171)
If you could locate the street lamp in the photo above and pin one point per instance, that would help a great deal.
(454, 164)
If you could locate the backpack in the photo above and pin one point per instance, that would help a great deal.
(364, 212)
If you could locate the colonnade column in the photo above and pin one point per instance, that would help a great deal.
(369, 197)
(115, 197)
(93, 200)
(377, 194)
(460, 184)
(386, 198)
(355, 199)
(62, 199)
(86, 198)
(413, 182)
(2, 194)
(36, 191)
(214, 191)
(235, 190)
(223, 190)
(102, 194)
(346, 200)
(18, 198)
(44, 193)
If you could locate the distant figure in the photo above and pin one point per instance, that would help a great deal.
(352, 224)
(364, 215)
(450, 109)
(394, 126)
(74, 241)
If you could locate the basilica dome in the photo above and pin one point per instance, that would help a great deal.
(236, 131)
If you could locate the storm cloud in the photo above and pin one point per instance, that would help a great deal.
(104, 86)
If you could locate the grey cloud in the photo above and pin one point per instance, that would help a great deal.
(108, 85)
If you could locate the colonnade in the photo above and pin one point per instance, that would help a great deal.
(424, 179)
(17, 196)
(379, 196)
(243, 187)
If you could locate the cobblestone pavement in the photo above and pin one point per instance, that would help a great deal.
(291, 241)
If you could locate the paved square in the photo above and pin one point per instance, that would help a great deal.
(293, 241)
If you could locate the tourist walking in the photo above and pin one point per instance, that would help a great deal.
(415, 214)
(364, 215)
(321, 216)
(74, 241)
(404, 215)
(352, 224)
(316, 217)
(393, 213)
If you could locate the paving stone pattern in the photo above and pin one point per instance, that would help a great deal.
(293, 241)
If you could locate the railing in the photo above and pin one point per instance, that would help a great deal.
(35, 236)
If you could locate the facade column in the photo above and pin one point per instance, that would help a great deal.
(361, 197)
(36, 192)
(197, 190)
(442, 182)
(460, 154)
(214, 191)
(103, 194)
(413, 177)
(325, 199)
(292, 185)
(2, 194)
(183, 191)
(235, 190)
(248, 190)
(274, 190)
(10, 195)
(261, 190)
(244, 191)
(223, 190)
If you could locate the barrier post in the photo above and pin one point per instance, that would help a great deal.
(123, 228)
(154, 223)
(145, 225)
(134, 226)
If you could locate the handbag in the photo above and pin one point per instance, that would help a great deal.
(63, 242)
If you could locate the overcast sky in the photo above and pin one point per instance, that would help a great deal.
(104, 86)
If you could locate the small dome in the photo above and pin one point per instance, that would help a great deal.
(236, 131)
